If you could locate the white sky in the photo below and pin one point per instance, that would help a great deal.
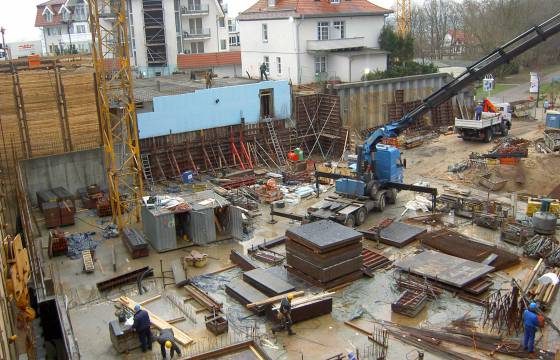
(18, 16)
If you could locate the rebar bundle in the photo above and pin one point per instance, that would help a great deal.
(503, 311)
(545, 247)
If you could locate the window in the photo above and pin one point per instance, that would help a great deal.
(80, 13)
(265, 32)
(194, 5)
(266, 61)
(232, 26)
(48, 16)
(323, 30)
(65, 15)
(234, 40)
(223, 44)
(279, 65)
(222, 22)
(320, 64)
(338, 29)
(80, 29)
(335, 1)
(197, 47)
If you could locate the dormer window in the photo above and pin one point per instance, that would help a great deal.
(65, 14)
(48, 15)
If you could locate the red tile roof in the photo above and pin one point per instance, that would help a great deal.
(313, 7)
(54, 5)
(199, 61)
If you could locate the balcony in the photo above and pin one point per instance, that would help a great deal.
(335, 44)
(195, 10)
(197, 34)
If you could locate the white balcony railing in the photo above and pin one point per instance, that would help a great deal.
(197, 33)
(335, 44)
(195, 10)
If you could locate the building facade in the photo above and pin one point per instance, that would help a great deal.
(65, 27)
(312, 40)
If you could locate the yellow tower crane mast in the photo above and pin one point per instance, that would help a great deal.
(115, 94)
(404, 17)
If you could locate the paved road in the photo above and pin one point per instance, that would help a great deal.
(521, 91)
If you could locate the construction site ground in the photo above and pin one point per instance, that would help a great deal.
(90, 311)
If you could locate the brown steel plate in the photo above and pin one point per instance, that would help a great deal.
(324, 235)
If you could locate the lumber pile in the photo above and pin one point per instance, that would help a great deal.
(159, 323)
(543, 293)
(324, 261)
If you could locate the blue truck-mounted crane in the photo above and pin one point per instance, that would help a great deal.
(379, 174)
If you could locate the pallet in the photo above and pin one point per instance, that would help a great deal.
(87, 260)
(410, 303)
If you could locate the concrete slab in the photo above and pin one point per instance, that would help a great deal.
(445, 268)
(324, 235)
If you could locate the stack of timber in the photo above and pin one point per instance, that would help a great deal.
(542, 292)
(324, 253)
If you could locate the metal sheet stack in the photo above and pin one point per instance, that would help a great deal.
(324, 253)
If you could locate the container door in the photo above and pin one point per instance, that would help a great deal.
(236, 222)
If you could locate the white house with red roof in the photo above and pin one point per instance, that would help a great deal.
(65, 27)
(312, 40)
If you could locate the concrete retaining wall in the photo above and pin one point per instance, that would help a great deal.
(71, 170)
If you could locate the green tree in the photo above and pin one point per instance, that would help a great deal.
(400, 49)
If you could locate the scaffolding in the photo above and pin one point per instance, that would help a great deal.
(117, 111)
(155, 32)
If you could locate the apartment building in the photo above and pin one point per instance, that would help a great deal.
(312, 40)
(65, 27)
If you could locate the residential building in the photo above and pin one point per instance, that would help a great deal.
(454, 42)
(234, 38)
(65, 27)
(312, 40)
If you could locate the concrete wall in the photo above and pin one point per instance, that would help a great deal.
(71, 170)
(210, 108)
(363, 104)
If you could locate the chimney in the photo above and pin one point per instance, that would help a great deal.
(271, 3)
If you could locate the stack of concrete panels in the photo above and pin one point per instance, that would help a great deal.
(324, 253)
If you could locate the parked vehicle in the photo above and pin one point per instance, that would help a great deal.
(490, 124)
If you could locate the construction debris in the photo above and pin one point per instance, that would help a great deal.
(545, 247)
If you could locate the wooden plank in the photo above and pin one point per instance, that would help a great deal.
(144, 302)
(181, 337)
(274, 299)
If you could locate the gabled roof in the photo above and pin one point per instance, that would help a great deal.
(208, 60)
(312, 8)
(54, 7)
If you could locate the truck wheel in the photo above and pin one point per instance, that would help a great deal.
(381, 202)
(361, 215)
(488, 135)
(504, 129)
(392, 196)
(350, 221)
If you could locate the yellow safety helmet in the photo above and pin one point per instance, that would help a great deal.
(290, 297)
(168, 344)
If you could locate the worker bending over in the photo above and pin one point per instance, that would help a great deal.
(142, 326)
(285, 314)
(166, 340)
(531, 322)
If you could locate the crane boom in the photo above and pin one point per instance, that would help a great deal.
(501, 55)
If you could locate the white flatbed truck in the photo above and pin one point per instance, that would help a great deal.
(489, 125)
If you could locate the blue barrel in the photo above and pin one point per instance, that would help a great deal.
(553, 119)
(187, 177)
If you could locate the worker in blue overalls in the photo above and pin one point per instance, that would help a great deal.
(530, 323)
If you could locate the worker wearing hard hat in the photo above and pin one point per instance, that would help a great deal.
(285, 313)
(531, 322)
(142, 325)
(166, 340)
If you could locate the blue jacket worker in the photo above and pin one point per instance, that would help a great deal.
(478, 111)
(142, 327)
(530, 323)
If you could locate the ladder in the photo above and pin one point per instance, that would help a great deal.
(147, 169)
(275, 143)
(88, 261)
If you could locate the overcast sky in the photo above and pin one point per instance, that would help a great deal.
(18, 16)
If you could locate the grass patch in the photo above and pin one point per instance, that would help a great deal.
(481, 94)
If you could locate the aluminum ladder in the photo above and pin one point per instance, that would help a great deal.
(147, 168)
(275, 143)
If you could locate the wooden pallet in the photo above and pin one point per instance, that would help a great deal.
(87, 260)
